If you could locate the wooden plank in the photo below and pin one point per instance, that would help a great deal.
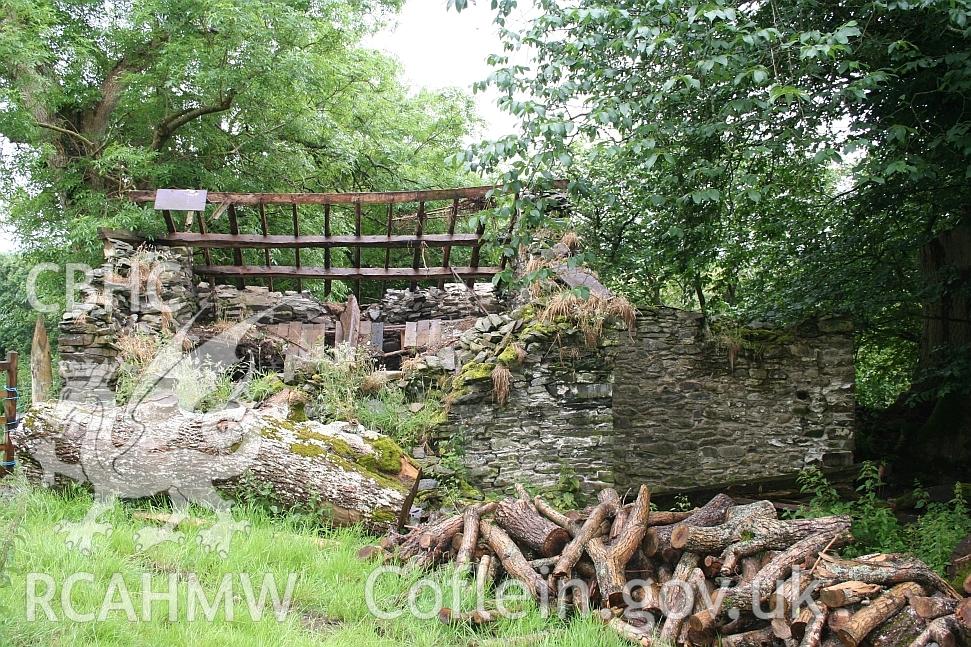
(447, 249)
(327, 249)
(474, 261)
(266, 250)
(234, 230)
(296, 250)
(387, 197)
(344, 273)
(203, 231)
(419, 229)
(435, 333)
(357, 250)
(411, 335)
(169, 223)
(387, 250)
(421, 335)
(255, 241)
(377, 337)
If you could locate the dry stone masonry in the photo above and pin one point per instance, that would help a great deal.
(670, 403)
(674, 401)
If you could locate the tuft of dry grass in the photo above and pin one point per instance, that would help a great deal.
(620, 308)
(501, 383)
(590, 314)
(372, 383)
(561, 304)
(138, 349)
(571, 240)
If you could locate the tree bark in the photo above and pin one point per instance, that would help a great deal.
(155, 447)
(847, 593)
(524, 524)
(931, 608)
(712, 539)
(611, 562)
(878, 612)
(470, 536)
(901, 629)
(512, 560)
(711, 514)
(884, 569)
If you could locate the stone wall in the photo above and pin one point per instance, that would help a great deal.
(671, 404)
(138, 290)
(453, 301)
(228, 303)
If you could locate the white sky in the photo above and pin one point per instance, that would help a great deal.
(441, 48)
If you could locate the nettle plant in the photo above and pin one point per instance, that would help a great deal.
(932, 537)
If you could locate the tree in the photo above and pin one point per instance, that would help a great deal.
(101, 97)
(771, 160)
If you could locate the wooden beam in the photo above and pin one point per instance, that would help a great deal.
(255, 241)
(357, 250)
(447, 250)
(474, 261)
(234, 230)
(419, 230)
(203, 230)
(344, 273)
(387, 197)
(327, 283)
(296, 250)
(169, 223)
(266, 231)
(387, 250)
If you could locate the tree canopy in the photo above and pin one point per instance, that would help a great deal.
(101, 97)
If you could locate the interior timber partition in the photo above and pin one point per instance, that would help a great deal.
(201, 224)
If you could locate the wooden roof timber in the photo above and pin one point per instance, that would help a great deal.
(344, 273)
(386, 197)
(256, 241)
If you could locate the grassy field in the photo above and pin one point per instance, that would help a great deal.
(328, 601)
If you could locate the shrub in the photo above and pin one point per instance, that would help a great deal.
(877, 529)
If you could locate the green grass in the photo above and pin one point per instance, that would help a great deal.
(328, 606)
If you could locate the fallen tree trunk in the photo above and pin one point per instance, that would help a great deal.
(353, 475)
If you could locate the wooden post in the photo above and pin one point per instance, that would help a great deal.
(169, 223)
(204, 230)
(41, 375)
(9, 413)
(357, 249)
(447, 251)
(327, 249)
(387, 250)
(419, 230)
(296, 250)
(266, 250)
(474, 262)
(237, 252)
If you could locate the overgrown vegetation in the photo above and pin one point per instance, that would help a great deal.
(346, 386)
(932, 537)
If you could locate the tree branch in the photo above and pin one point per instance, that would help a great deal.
(173, 122)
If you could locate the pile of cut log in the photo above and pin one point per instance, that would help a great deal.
(727, 573)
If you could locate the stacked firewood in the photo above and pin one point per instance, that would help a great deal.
(726, 573)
